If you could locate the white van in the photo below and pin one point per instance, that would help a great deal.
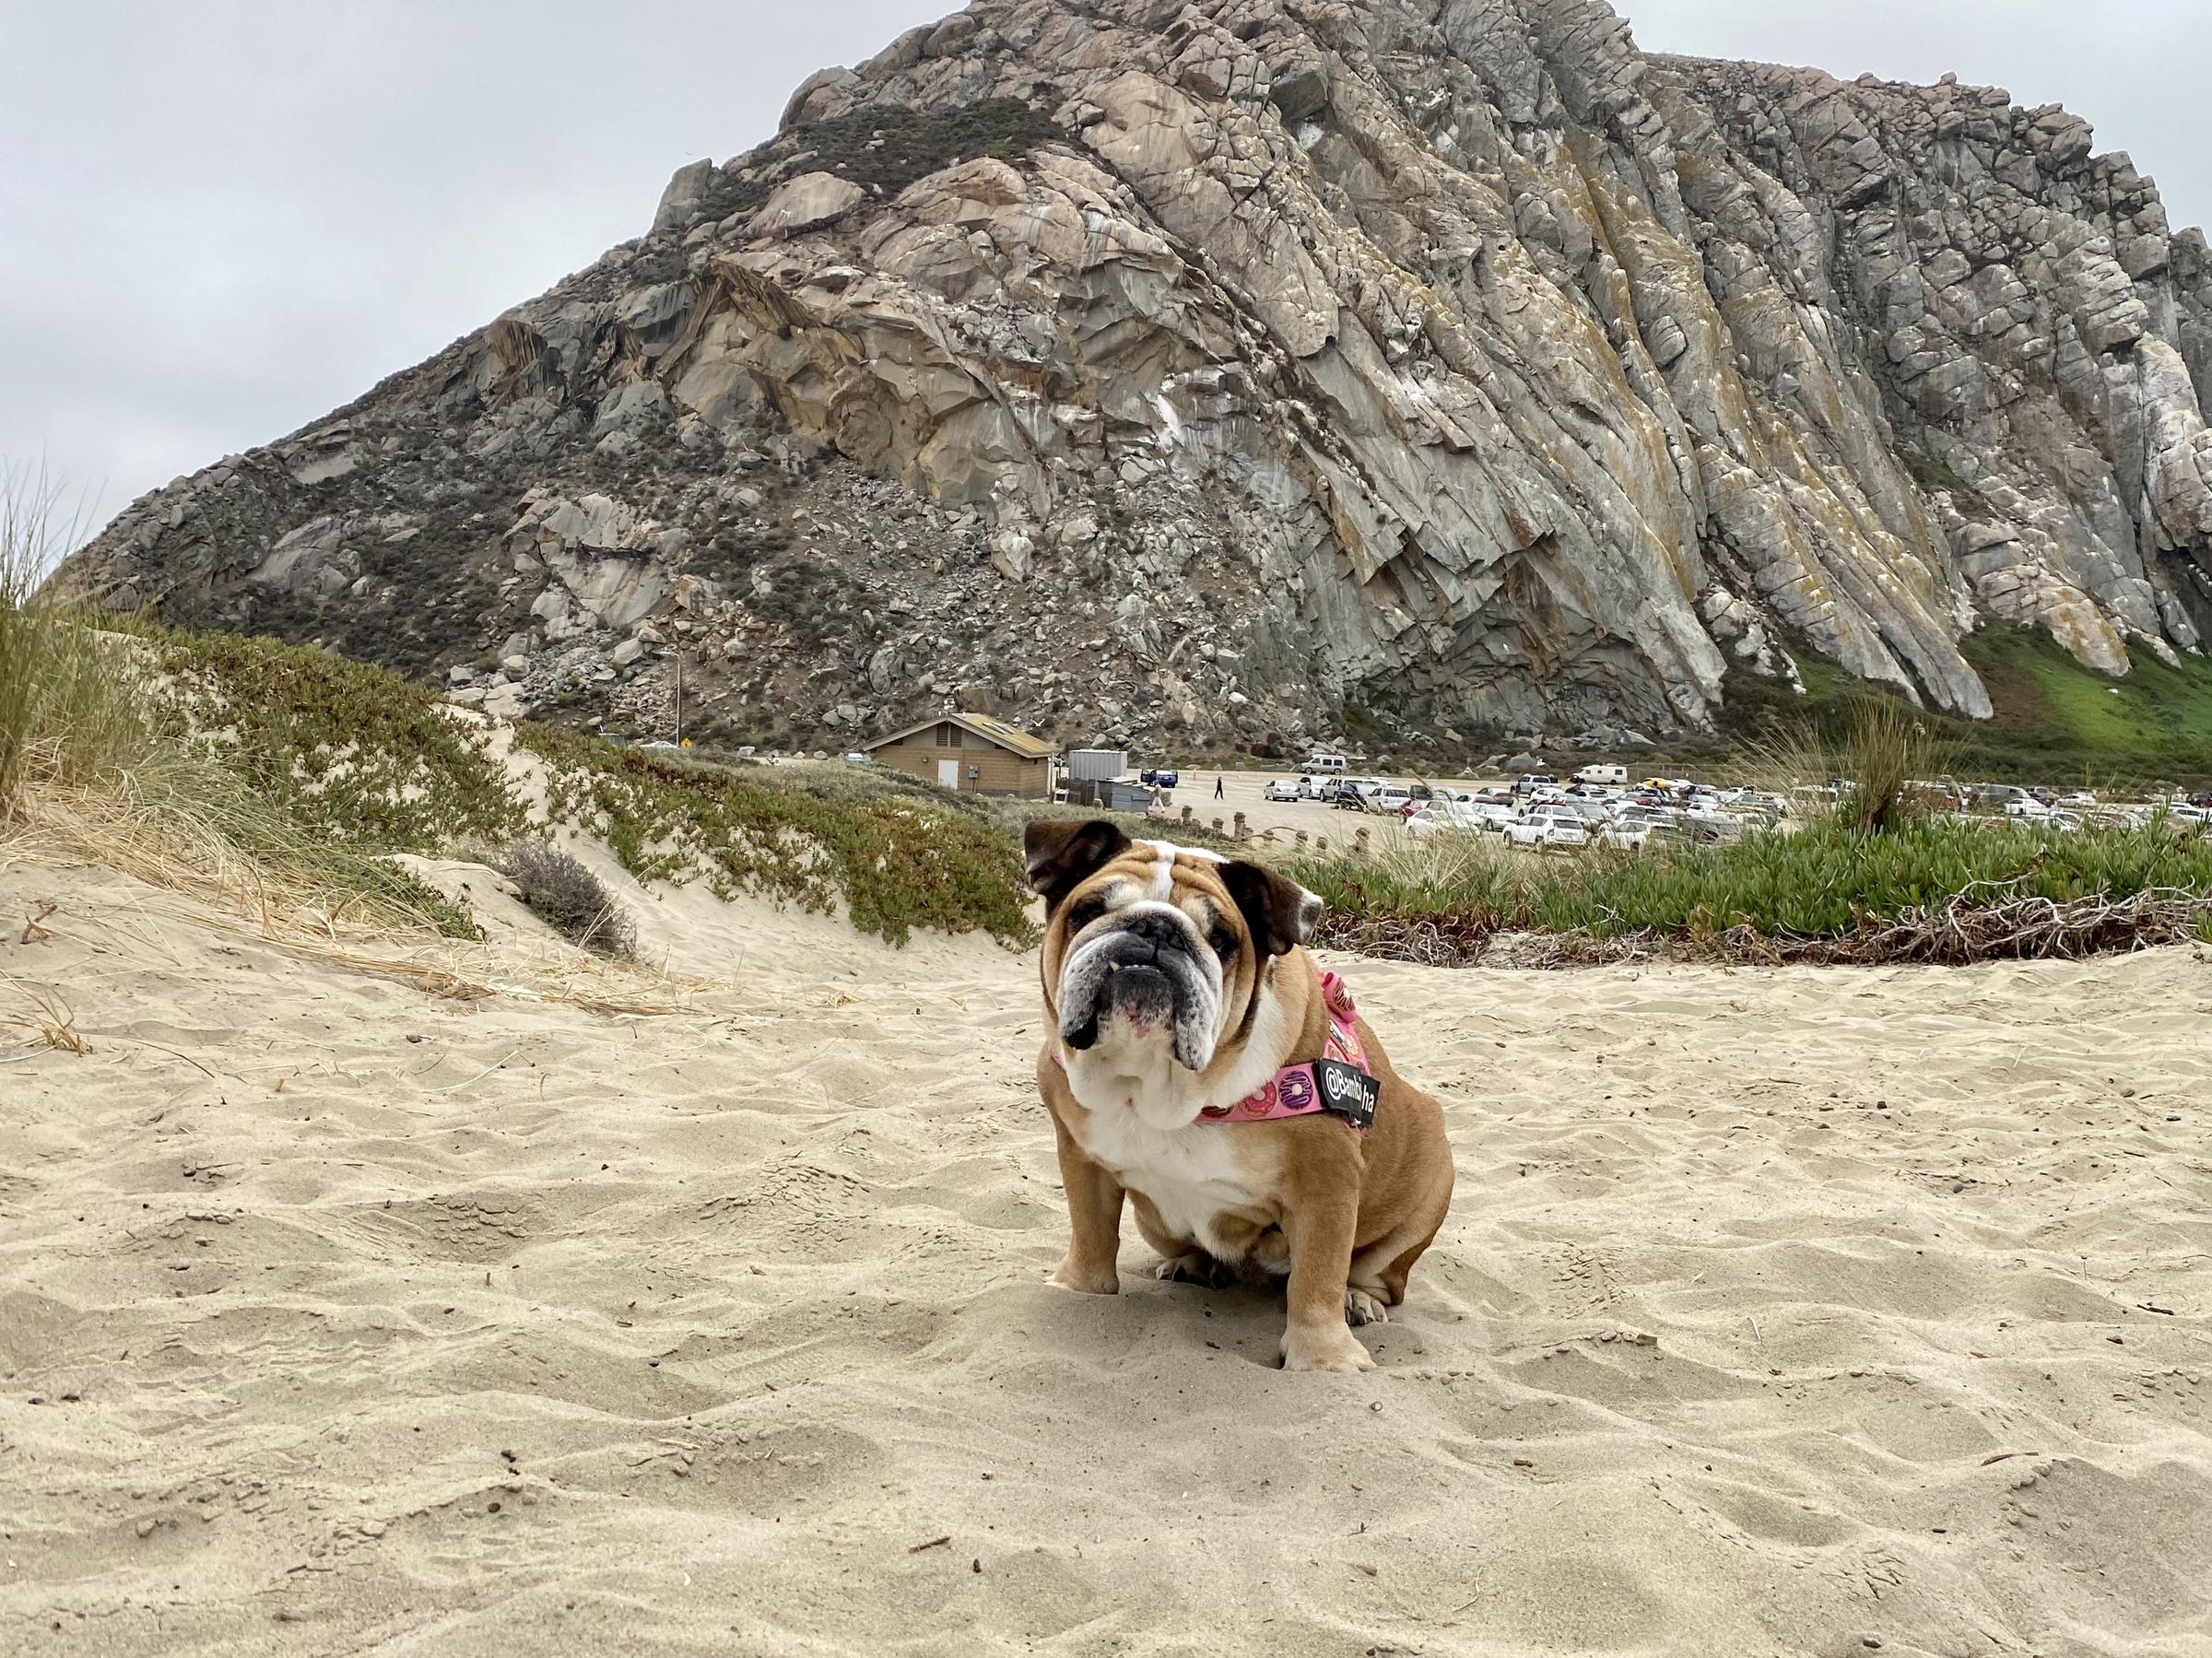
(1332, 764)
(1615, 776)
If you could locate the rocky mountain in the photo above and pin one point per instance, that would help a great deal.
(1241, 373)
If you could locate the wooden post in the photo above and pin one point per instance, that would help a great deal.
(1359, 842)
(1242, 832)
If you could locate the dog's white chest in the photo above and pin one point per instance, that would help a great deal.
(1190, 1174)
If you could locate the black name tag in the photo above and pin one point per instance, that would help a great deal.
(1347, 1091)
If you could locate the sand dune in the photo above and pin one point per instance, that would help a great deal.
(1780, 1313)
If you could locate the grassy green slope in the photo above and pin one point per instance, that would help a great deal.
(2156, 723)
(2053, 721)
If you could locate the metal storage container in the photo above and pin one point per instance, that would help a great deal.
(1096, 765)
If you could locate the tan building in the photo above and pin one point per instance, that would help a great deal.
(969, 751)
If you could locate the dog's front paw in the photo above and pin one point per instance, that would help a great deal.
(1091, 1280)
(1361, 1308)
(1335, 1349)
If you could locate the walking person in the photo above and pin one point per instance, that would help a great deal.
(1218, 794)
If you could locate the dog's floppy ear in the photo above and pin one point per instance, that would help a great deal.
(1061, 854)
(1279, 911)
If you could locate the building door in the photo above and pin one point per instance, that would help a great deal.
(948, 774)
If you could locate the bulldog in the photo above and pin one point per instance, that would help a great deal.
(1197, 1063)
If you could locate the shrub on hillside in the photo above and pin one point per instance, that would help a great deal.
(884, 148)
(569, 898)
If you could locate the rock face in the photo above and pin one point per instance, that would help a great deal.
(1240, 371)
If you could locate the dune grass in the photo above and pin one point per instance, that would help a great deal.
(1877, 875)
(94, 755)
(1824, 893)
(359, 762)
(896, 863)
(339, 748)
(67, 715)
(307, 770)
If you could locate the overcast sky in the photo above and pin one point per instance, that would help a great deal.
(219, 219)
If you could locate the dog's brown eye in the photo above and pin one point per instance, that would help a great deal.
(1084, 912)
(1223, 941)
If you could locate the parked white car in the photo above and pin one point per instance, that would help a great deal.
(1281, 789)
(1458, 816)
(1548, 826)
(1389, 801)
(1750, 805)
(1631, 827)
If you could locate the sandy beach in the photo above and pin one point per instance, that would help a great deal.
(1808, 1312)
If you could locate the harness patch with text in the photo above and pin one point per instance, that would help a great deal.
(1348, 1091)
(1338, 1084)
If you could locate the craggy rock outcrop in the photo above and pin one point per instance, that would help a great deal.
(1255, 370)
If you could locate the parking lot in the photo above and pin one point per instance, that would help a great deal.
(1628, 815)
(1246, 792)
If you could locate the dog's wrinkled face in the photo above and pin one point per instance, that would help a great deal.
(1153, 946)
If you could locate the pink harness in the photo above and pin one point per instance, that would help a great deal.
(1296, 1090)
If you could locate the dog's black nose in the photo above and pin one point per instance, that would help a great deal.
(1153, 931)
